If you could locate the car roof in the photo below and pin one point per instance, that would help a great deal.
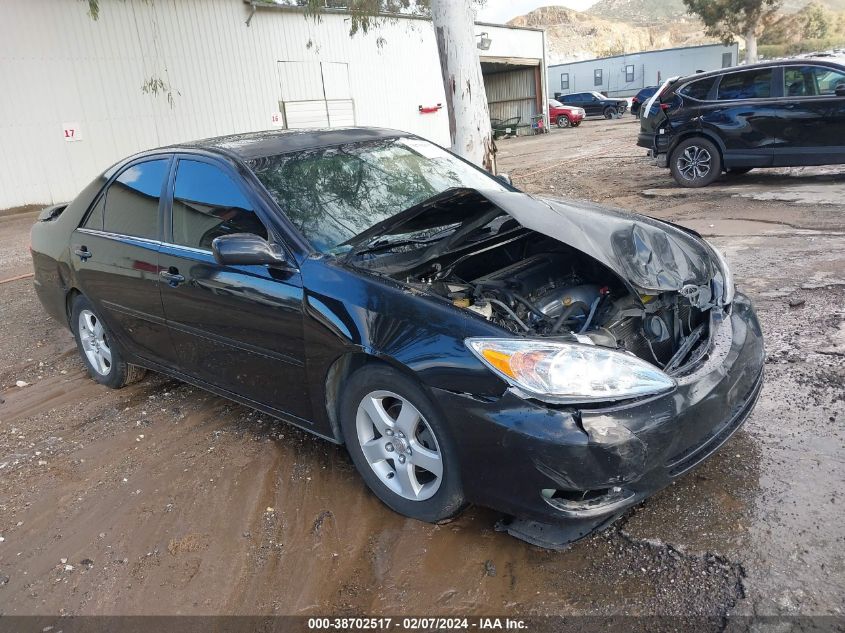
(253, 145)
(767, 64)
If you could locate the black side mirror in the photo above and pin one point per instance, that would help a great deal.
(840, 90)
(505, 178)
(246, 249)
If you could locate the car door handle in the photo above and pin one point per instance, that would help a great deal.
(83, 253)
(172, 276)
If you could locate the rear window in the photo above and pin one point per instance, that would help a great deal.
(750, 84)
(132, 200)
(699, 90)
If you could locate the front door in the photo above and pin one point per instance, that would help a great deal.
(236, 327)
(812, 117)
(114, 255)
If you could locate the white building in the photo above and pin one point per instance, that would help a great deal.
(625, 75)
(80, 94)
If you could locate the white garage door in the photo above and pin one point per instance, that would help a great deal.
(315, 94)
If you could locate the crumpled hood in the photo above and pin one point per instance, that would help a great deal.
(651, 255)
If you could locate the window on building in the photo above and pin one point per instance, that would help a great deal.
(751, 84)
(698, 89)
(727, 60)
(564, 81)
(131, 206)
(629, 73)
(597, 77)
(207, 204)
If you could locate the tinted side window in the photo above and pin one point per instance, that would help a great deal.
(751, 84)
(798, 81)
(698, 89)
(207, 203)
(827, 79)
(132, 200)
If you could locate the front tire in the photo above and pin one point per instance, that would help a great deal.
(401, 445)
(563, 121)
(98, 348)
(695, 162)
(609, 112)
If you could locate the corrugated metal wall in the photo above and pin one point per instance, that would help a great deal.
(512, 93)
(58, 66)
(650, 68)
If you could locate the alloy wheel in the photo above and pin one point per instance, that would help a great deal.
(562, 121)
(399, 445)
(695, 162)
(95, 343)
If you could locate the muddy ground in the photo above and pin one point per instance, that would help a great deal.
(163, 499)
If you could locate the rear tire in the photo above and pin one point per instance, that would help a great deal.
(563, 121)
(400, 444)
(99, 350)
(695, 162)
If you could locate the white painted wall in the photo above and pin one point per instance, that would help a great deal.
(58, 66)
(511, 42)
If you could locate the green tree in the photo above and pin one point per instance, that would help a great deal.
(728, 19)
(817, 21)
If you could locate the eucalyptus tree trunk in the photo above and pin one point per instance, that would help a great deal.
(751, 45)
(466, 101)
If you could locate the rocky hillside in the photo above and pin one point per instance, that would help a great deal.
(612, 27)
(573, 35)
(653, 12)
(643, 12)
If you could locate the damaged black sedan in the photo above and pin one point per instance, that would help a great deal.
(466, 342)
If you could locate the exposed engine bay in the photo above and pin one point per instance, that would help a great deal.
(551, 290)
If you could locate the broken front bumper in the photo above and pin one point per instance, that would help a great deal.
(583, 467)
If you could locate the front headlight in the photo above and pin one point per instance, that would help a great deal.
(569, 372)
(728, 286)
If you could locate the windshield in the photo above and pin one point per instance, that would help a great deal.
(598, 95)
(555, 103)
(332, 194)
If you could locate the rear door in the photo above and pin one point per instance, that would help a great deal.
(812, 116)
(576, 100)
(745, 115)
(239, 328)
(114, 254)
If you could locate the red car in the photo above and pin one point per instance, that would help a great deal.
(564, 115)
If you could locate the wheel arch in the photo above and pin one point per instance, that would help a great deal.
(70, 297)
(698, 133)
(340, 371)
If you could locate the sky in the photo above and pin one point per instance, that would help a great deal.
(500, 11)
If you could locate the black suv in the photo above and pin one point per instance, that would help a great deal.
(594, 103)
(640, 99)
(774, 114)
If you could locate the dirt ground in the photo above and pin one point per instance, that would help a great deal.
(163, 499)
